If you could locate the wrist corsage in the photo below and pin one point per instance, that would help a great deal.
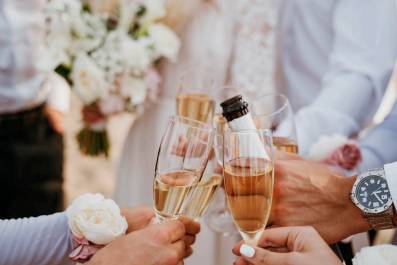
(337, 151)
(94, 222)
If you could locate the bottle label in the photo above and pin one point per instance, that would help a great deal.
(251, 144)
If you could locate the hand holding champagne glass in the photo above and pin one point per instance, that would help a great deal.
(181, 160)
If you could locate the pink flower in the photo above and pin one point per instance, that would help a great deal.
(347, 156)
(153, 80)
(84, 250)
(111, 105)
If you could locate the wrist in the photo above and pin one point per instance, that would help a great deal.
(352, 212)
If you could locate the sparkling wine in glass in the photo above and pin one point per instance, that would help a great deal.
(249, 180)
(204, 192)
(194, 97)
(181, 161)
(273, 111)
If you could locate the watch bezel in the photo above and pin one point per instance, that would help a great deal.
(384, 208)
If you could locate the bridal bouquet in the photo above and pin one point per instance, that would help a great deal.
(109, 58)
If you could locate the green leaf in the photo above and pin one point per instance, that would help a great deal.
(64, 71)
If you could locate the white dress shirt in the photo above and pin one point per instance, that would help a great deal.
(335, 59)
(391, 177)
(43, 240)
(378, 146)
(22, 84)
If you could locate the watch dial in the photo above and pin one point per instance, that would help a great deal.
(373, 192)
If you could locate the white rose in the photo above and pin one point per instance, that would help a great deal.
(325, 146)
(68, 7)
(379, 255)
(134, 89)
(96, 219)
(135, 55)
(88, 79)
(88, 31)
(166, 42)
(155, 10)
(127, 11)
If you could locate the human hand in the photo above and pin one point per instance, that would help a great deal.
(160, 244)
(309, 193)
(137, 217)
(287, 246)
(196, 147)
(56, 119)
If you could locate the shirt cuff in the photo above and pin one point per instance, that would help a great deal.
(371, 159)
(59, 93)
(391, 177)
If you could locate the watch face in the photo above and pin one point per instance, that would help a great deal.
(373, 192)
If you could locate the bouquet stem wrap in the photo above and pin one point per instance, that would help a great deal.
(93, 140)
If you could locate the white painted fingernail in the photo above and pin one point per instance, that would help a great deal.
(247, 251)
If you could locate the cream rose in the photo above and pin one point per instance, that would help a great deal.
(134, 88)
(166, 43)
(380, 255)
(88, 79)
(96, 219)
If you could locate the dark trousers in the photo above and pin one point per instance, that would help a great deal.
(31, 165)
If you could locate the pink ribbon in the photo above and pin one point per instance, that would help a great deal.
(84, 250)
(347, 156)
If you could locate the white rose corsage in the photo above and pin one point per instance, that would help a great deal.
(336, 150)
(380, 255)
(94, 222)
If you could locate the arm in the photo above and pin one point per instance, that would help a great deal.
(360, 65)
(59, 93)
(44, 240)
(58, 101)
(377, 145)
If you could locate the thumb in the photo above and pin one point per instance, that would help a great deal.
(260, 256)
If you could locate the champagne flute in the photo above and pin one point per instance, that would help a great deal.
(249, 179)
(194, 96)
(273, 111)
(219, 218)
(203, 193)
(181, 160)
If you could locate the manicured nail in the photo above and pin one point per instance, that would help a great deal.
(247, 251)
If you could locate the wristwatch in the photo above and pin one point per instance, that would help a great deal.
(371, 194)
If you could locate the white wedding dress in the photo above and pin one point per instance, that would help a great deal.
(230, 43)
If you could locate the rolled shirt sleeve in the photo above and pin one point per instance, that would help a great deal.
(378, 146)
(360, 65)
(59, 93)
(43, 240)
(391, 177)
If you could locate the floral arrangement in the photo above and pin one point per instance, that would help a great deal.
(380, 255)
(94, 222)
(337, 151)
(109, 58)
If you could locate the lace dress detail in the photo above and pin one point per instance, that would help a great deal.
(252, 67)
